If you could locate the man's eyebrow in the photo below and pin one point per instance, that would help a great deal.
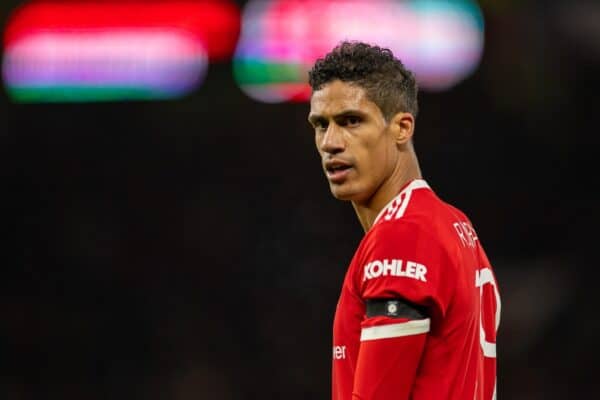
(350, 112)
(313, 118)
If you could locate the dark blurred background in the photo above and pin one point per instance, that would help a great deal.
(190, 249)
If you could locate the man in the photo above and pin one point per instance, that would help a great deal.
(419, 307)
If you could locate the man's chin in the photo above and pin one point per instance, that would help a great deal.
(342, 193)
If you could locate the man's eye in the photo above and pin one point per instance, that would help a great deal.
(352, 121)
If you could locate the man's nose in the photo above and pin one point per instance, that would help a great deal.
(333, 140)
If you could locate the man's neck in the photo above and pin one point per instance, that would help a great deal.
(368, 211)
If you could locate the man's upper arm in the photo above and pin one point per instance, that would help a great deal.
(401, 282)
(404, 262)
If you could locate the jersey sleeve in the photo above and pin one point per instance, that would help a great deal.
(404, 260)
(403, 263)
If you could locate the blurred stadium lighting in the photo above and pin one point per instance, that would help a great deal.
(440, 40)
(114, 49)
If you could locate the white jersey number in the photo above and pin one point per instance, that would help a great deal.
(485, 276)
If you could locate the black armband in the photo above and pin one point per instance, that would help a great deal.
(394, 308)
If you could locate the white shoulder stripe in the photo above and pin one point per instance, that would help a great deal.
(397, 206)
(395, 330)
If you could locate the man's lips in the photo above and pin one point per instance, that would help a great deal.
(335, 164)
(337, 170)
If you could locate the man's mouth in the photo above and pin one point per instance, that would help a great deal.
(337, 172)
(338, 168)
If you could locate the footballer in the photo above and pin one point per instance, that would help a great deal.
(419, 307)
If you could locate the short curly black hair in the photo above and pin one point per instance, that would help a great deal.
(387, 82)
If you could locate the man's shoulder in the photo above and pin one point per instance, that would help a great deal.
(417, 211)
(426, 218)
(410, 229)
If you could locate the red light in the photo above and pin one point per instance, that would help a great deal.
(216, 23)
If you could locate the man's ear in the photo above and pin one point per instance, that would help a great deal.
(403, 127)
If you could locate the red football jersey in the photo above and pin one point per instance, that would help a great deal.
(424, 252)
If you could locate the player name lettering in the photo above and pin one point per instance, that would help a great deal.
(408, 269)
(339, 352)
(466, 234)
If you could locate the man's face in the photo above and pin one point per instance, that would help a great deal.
(357, 150)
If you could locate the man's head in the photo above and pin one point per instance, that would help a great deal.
(384, 78)
(363, 111)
